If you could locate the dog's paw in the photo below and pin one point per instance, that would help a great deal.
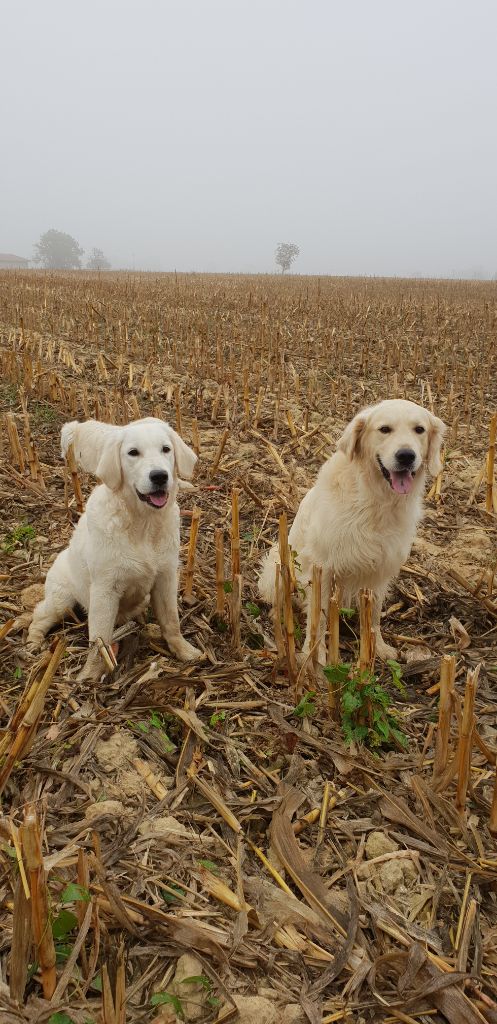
(93, 669)
(90, 674)
(34, 640)
(31, 651)
(183, 650)
(384, 651)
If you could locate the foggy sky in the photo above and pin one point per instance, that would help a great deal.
(197, 134)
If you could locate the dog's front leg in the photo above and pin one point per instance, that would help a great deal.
(383, 650)
(165, 605)
(102, 613)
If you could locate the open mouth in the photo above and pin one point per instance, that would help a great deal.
(157, 499)
(400, 480)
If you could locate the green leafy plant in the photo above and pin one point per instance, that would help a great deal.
(167, 998)
(396, 674)
(156, 721)
(62, 952)
(253, 609)
(198, 979)
(217, 719)
(141, 726)
(20, 537)
(365, 707)
(210, 866)
(74, 893)
(63, 924)
(228, 587)
(202, 979)
(168, 896)
(306, 707)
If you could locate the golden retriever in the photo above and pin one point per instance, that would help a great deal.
(125, 548)
(359, 520)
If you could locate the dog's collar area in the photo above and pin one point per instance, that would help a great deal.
(156, 499)
(400, 481)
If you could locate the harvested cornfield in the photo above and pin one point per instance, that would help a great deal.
(200, 842)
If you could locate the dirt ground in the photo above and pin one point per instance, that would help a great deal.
(193, 826)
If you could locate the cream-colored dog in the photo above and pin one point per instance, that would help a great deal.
(125, 548)
(359, 520)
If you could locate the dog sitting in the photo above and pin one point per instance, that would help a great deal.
(125, 548)
(359, 520)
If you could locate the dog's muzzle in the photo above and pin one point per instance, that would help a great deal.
(400, 480)
(156, 499)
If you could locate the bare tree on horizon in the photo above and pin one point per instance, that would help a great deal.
(286, 253)
(97, 261)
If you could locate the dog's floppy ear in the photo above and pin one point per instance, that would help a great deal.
(184, 456)
(109, 469)
(436, 431)
(350, 441)
(96, 449)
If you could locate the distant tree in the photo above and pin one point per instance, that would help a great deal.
(97, 261)
(58, 251)
(286, 253)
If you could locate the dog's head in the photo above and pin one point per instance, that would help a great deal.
(397, 439)
(147, 457)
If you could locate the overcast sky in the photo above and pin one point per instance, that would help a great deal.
(197, 134)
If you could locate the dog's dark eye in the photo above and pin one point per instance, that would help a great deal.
(133, 452)
(166, 450)
(385, 430)
(419, 430)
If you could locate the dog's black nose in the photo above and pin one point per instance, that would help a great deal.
(159, 477)
(405, 457)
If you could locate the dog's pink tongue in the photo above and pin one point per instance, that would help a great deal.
(402, 482)
(158, 499)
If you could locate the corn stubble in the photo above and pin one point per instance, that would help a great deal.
(260, 375)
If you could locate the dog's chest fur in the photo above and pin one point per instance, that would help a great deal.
(348, 530)
(133, 552)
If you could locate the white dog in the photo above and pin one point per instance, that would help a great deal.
(359, 520)
(125, 548)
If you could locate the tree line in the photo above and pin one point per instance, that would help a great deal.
(57, 250)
